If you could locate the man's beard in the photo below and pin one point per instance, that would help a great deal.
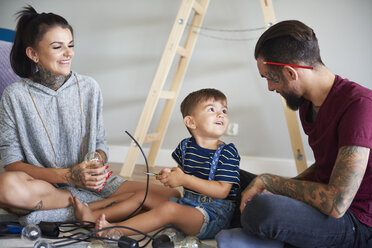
(293, 101)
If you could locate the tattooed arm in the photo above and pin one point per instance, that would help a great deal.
(82, 175)
(307, 174)
(332, 199)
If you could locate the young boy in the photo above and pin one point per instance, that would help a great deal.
(208, 170)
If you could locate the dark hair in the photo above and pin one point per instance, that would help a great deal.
(192, 100)
(289, 42)
(31, 28)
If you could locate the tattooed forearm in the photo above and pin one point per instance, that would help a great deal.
(74, 176)
(333, 198)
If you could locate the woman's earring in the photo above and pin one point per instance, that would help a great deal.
(36, 60)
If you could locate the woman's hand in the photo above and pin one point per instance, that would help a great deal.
(171, 177)
(88, 174)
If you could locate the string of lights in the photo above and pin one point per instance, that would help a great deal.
(239, 30)
(202, 31)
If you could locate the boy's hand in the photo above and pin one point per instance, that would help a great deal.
(171, 177)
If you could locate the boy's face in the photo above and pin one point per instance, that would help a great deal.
(209, 119)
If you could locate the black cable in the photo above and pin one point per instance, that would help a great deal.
(89, 235)
(147, 181)
(79, 237)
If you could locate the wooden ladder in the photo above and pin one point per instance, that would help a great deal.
(188, 8)
(290, 115)
(172, 48)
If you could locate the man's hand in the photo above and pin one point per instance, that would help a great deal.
(88, 175)
(254, 188)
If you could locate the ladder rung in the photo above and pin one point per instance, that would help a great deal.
(198, 8)
(182, 51)
(152, 137)
(167, 94)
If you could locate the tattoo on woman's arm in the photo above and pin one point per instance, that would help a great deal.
(74, 176)
(109, 205)
(38, 206)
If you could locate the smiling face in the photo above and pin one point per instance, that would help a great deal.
(209, 119)
(278, 83)
(54, 52)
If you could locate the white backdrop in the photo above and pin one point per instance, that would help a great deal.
(120, 42)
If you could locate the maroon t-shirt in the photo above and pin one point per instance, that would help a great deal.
(344, 119)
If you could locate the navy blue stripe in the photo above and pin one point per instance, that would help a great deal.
(198, 159)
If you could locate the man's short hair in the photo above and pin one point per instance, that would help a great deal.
(289, 42)
(193, 99)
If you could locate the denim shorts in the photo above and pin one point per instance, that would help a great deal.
(217, 213)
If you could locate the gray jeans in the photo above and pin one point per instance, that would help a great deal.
(297, 224)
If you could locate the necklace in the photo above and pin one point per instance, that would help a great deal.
(45, 128)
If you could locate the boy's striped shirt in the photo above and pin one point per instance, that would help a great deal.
(198, 163)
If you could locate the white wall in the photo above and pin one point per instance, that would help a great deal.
(120, 42)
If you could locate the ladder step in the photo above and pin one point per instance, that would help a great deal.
(182, 51)
(167, 94)
(152, 137)
(198, 8)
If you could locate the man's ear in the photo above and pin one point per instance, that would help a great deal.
(32, 54)
(189, 122)
(290, 73)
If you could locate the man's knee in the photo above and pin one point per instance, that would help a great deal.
(261, 214)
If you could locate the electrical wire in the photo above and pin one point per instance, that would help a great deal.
(72, 239)
(240, 30)
(201, 31)
(90, 235)
(87, 225)
(147, 179)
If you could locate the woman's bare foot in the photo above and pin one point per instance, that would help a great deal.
(83, 212)
(101, 223)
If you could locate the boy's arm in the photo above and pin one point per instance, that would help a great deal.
(209, 188)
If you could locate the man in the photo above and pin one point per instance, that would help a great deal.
(330, 203)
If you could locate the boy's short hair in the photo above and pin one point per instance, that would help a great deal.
(194, 98)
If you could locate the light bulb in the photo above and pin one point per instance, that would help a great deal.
(167, 236)
(173, 234)
(96, 244)
(31, 232)
(113, 233)
(188, 242)
(94, 156)
(42, 243)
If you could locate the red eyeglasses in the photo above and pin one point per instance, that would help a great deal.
(283, 64)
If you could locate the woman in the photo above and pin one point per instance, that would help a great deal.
(49, 120)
